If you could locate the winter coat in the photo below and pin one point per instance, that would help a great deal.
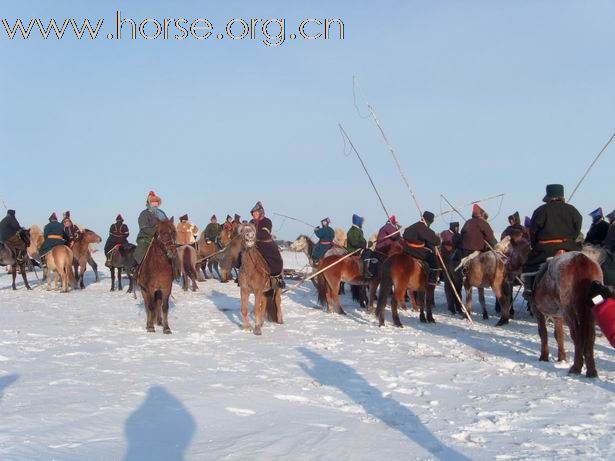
(511, 229)
(383, 244)
(475, 232)
(355, 239)
(147, 228)
(118, 235)
(227, 226)
(420, 240)
(9, 226)
(212, 231)
(597, 232)
(186, 233)
(54, 234)
(268, 248)
(325, 241)
(555, 226)
(609, 241)
(72, 232)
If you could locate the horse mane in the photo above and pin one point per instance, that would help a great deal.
(595, 253)
(340, 237)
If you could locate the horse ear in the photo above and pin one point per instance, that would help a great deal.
(172, 218)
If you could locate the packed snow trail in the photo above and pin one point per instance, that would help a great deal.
(81, 379)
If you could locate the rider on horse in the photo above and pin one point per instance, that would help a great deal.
(599, 228)
(212, 231)
(147, 225)
(325, 236)
(9, 235)
(265, 244)
(420, 242)
(228, 223)
(609, 241)
(355, 240)
(71, 230)
(476, 234)
(187, 232)
(450, 236)
(514, 224)
(555, 227)
(118, 237)
(54, 234)
(387, 234)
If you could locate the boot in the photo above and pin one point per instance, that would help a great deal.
(432, 278)
(528, 285)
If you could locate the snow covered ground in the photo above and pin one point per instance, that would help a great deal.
(80, 379)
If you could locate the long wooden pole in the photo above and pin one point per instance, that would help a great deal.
(591, 166)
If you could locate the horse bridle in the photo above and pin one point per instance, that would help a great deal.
(167, 244)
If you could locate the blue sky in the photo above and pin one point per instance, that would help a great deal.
(478, 98)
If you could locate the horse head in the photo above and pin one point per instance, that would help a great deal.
(24, 235)
(300, 244)
(248, 235)
(519, 250)
(89, 236)
(166, 234)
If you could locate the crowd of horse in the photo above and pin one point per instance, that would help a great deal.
(561, 293)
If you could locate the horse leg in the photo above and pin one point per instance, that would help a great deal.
(278, 302)
(245, 295)
(430, 301)
(559, 337)
(14, 274)
(395, 311)
(468, 288)
(195, 287)
(119, 279)
(338, 305)
(259, 309)
(483, 303)
(184, 282)
(112, 271)
(149, 309)
(544, 337)
(165, 314)
(373, 287)
(420, 297)
(94, 266)
(577, 339)
(589, 330)
(24, 276)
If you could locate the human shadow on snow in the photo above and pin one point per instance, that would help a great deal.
(229, 306)
(387, 410)
(160, 429)
(6, 381)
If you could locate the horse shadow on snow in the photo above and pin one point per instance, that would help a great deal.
(6, 381)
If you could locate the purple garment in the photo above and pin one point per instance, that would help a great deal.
(383, 243)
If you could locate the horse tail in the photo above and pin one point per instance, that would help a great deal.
(271, 307)
(386, 283)
(68, 269)
(321, 287)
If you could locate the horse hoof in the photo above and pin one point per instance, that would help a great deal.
(591, 374)
(167, 331)
(574, 370)
(486, 316)
(422, 318)
(258, 331)
(28, 288)
(151, 330)
(381, 324)
(112, 289)
(501, 322)
(399, 325)
(512, 313)
(431, 320)
(342, 313)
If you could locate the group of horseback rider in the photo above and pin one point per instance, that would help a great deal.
(555, 226)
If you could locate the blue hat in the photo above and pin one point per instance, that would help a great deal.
(597, 214)
(527, 222)
(357, 220)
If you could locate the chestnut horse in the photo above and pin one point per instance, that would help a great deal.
(8, 258)
(187, 266)
(82, 255)
(155, 275)
(563, 294)
(60, 264)
(225, 237)
(403, 272)
(205, 250)
(122, 257)
(254, 277)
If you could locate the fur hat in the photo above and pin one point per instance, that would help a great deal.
(611, 216)
(325, 221)
(119, 218)
(10, 212)
(454, 225)
(393, 219)
(228, 217)
(477, 211)
(527, 222)
(597, 214)
(515, 218)
(53, 217)
(183, 218)
(257, 207)
(554, 192)
(152, 197)
(237, 217)
(357, 220)
(66, 215)
(213, 216)
(428, 216)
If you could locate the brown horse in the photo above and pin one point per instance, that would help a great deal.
(254, 277)
(187, 265)
(155, 275)
(205, 250)
(402, 272)
(60, 264)
(225, 237)
(10, 259)
(122, 257)
(563, 294)
(229, 258)
(81, 253)
(496, 270)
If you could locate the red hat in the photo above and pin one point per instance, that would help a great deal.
(152, 197)
(393, 219)
(53, 217)
(477, 211)
(119, 217)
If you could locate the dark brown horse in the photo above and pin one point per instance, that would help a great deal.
(187, 266)
(563, 294)
(81, 253)
(122, 257)
(402, 272)
(9, 258)
(254, 277)
(229, 258)
(155, 275)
